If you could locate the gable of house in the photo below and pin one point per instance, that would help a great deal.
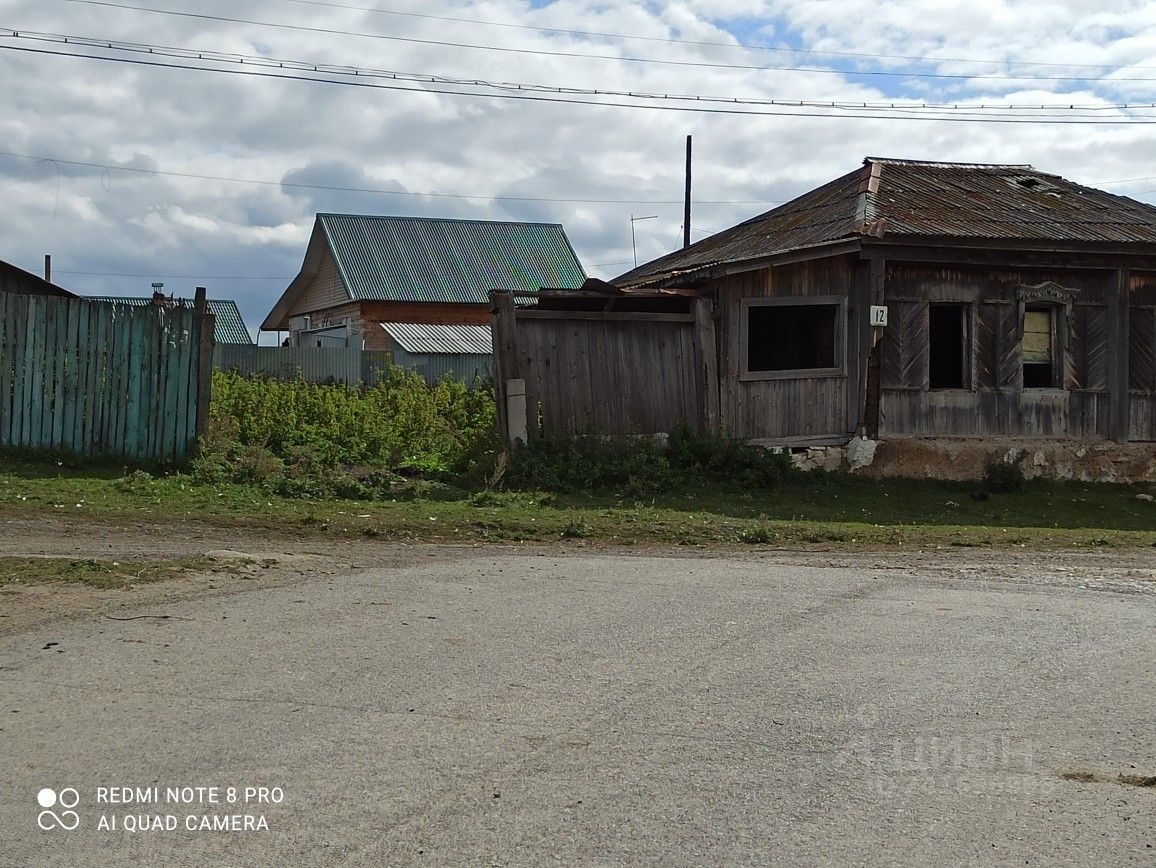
(424, 261)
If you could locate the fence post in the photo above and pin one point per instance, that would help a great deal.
(206, 323)
(505, 341)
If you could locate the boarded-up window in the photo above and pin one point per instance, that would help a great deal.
(1039, 348)
(792, 337)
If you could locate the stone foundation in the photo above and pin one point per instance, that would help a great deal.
(965, 459)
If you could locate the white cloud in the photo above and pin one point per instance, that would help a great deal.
(209, 124)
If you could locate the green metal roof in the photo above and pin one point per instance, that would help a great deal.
(431, 259)
(228, 326)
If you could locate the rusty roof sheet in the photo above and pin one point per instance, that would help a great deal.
(900, 199)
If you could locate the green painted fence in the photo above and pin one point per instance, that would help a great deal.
(102, 379)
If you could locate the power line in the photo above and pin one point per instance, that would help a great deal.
(154, 275)
(332, 188)
(691, 42)
(586, 55)
(972, 109)
(354, 77)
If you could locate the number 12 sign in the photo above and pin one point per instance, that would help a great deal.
(878, 315)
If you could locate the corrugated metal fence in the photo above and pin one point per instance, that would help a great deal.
(470, 368)
(102, 379)
(348, 365)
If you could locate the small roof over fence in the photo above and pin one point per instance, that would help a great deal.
(229, 327)
(427, 339)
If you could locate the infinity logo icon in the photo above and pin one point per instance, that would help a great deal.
(67, 819)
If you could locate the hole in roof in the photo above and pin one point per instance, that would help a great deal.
(1028, 182)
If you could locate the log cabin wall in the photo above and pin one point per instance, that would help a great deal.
(796, 406)
(993, 400)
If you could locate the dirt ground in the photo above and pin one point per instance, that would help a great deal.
(241, 561)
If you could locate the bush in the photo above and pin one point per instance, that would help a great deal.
(1002, 477)
(727, 457)
(586, 462)
(305, 440)
(637, 465)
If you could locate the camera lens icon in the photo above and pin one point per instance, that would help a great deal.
(66, 819)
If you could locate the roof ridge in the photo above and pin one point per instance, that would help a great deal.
(900, 161)
(436, 219)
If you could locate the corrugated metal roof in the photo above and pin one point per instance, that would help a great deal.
(429, 259)
(423, 338)
(906, 198)
(228, 326)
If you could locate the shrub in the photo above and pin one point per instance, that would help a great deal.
(1002, 477)
(639, 466)
(299, 439)
(588, 461)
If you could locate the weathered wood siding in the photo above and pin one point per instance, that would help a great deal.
(325, 290)
(1142, 358)
(794, 408)
(606, 372)
(997, 404)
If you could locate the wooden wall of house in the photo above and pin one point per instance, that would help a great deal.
(783, 409)
(324, 291)
(615, 373)
(1142, 357)
(995, 402)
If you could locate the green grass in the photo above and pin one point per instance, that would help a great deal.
(835, 511)
(92, 573)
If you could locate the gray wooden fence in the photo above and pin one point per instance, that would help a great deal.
(103, 379)
(611, 372)
(349, 365)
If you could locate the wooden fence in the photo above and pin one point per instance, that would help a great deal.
(611, 372)
(349, 365)
(103, 379)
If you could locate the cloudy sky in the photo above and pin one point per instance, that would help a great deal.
(199, 149)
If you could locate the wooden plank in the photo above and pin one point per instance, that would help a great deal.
(8, 350)
(36, 358)
(66, 412)
(504, 341)
(188, 385)
(604, 316)
(1119, 406)
(204, 360)
(165, 440)
(1142, 350)
(96, 379)
(1009, 372)
(119, 379)
(81, 353)
(707, 363)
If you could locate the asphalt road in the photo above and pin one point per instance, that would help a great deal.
(595, 710)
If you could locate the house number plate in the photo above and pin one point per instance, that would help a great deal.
(878, 315)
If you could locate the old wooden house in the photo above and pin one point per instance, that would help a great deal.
(361, 272)
(903, 300)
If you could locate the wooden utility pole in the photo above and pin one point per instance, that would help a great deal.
(686, 200)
